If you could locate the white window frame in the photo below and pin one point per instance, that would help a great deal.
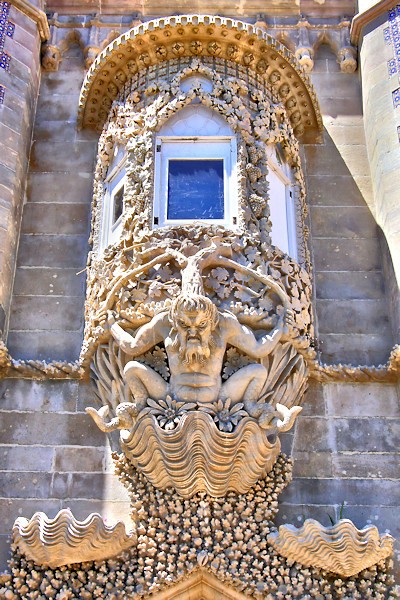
(199, 147)
(115, 180)
(285, 218)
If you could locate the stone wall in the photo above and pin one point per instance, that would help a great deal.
(47, 309)
(352, 307)
(19, 84)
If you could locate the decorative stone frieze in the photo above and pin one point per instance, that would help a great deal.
(342, 549)
(65, 540)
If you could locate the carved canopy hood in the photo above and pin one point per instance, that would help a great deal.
(168, 38)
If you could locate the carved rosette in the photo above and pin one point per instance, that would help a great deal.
(342, 549)
(64, 540)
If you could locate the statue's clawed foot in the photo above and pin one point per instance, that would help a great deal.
(125, 416)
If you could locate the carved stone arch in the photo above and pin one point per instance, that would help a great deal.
(150, 44)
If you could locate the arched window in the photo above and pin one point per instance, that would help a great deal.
(113, 203)
(281, 203)
(195, 170)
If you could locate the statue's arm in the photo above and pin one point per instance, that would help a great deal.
(146, 336)
(242, 338)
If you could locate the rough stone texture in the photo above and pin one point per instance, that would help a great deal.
(47, 310)
(349, 278)
(52, 456)
(16, 119)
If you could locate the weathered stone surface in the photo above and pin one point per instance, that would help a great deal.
(29, 458)
(366, 465)
(362, 285)
(42, 187)
(344, 222)
(46, 313)
(313, 435)
(57, 218)
(314, 401)
(312, 464)
(45, 345)
(52, 251)
(372, 400)
(334, 491)
(85, 459)
(359, 349)
(61, 429)
(365, 435)
(353, 316)
(62, 156)
(28, 395)
(32, 281)
(25, 485)
(332, 254)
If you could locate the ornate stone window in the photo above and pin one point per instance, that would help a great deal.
(281, 202)
(113, 204)
(195, 170)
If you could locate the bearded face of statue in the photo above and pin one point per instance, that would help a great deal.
(194, 336)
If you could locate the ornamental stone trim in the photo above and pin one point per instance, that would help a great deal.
(199, 35)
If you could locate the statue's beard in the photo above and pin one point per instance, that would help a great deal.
(198, 351)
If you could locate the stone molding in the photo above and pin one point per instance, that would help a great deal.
(323, 373)
(156, 41)
(37, 15)
(362, 19)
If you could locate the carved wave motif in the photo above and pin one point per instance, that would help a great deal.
(342, 549)
(65, 540)
(196, 456)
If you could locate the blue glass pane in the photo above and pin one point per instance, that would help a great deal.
(195, 189)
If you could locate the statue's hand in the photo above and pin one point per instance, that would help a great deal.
(111, 318)
(288, 321)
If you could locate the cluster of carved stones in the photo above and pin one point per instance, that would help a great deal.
(176, 537)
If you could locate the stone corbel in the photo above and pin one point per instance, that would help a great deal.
(93, 48)
(304, 51)
(51, 53)
(347, 55)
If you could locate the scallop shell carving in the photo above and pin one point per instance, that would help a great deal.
(196, 456)
(65, 540)
(342, 549)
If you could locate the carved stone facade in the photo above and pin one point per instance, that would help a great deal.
(209, 319)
